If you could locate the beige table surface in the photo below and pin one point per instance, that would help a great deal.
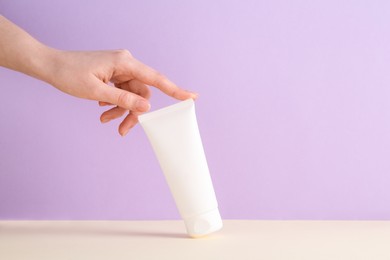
(239, 239)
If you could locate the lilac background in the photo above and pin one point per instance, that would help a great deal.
(294, 110)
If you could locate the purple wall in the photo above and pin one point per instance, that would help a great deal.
(294, 110)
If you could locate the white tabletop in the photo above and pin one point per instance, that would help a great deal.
(238, 240)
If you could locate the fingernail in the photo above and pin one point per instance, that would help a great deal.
(194, 95)
(105, 119)
(124, 133)
(142, 105)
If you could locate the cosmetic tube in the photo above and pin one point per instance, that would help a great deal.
(175, 138)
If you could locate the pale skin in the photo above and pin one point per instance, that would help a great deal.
(87, 74)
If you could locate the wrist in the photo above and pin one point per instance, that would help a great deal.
(44, 63)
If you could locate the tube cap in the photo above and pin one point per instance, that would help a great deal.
(204, 224)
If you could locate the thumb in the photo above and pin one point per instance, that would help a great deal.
(124, 99)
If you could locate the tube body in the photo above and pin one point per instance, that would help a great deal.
(175, 138)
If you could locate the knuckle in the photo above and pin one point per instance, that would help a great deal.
(124, 100)
(159, 78)
(124, 53)
(147, 93)
(174, 93)
(122, 56)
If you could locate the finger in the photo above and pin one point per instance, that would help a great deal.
(151, 77)
(111, 114)
(129, 122)
(102, 104)
(123, 98)
(137, 87)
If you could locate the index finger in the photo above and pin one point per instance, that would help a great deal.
(152, 77)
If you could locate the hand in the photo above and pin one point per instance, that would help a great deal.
(87, 74)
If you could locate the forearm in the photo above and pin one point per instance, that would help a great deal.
(21, 52)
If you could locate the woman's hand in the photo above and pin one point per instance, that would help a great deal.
(87, 74)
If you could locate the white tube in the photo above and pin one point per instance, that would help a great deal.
(174, 135)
